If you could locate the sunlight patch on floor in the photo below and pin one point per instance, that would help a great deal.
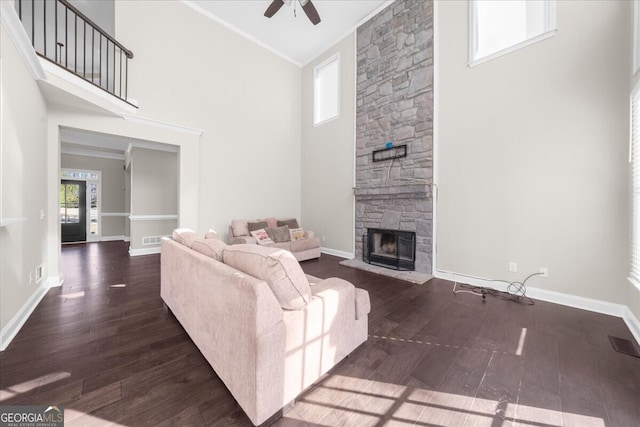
(375, 401)
(79, 418)
(72, 295)
(26, 386)
(521, 341)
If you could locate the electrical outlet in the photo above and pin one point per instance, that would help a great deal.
(544, 271)
(39, 270)
(513, 267)
(324, 238)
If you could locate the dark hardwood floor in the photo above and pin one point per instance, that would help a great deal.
(106, 348)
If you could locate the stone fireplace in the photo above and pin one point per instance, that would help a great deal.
(394, 119)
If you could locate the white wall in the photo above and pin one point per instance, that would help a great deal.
(328, 157)
(23, 130)
(100, 12)
(188, 69)
(532, 153)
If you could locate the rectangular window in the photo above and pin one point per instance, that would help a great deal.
(634, 157)
(326, 90)
(636, 36)
(499, 27)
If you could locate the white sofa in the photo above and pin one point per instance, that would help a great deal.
(234, 312)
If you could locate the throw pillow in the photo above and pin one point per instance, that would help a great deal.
(212, 248)
(256, 225)
(273, 223)
(297, 233)
(291, 223)
(185, 236)
(239, 227)
(262, 237)
(277, 267)
(279, 234)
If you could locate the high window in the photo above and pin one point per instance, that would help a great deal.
(636, 36)
(499, 27)
(634, 157)
(326, 90)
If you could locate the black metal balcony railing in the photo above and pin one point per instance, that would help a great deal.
(63, 35)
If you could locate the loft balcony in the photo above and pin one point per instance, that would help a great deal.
(64, 36)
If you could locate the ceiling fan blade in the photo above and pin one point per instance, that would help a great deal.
(273, 8)
(311, 11)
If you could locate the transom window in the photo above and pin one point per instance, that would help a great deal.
(80, 175)
(502, 26)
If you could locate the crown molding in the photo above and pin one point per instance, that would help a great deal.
(193, 5)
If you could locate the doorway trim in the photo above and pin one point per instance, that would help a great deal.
(90, 177)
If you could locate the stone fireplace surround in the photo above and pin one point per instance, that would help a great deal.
(394, 103)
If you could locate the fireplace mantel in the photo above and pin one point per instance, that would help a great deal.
(413, 190)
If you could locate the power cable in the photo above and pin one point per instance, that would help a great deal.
(516, 290)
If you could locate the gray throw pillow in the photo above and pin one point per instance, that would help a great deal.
(291, 223)
(279, 234)
(256, 225)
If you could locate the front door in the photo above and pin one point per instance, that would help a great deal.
(73, 210)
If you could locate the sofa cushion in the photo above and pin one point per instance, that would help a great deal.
(185, 236)
(261, 236)
(239, 227)
(277, 267)
(256, 225)
(212, 248)
(289, 222)
(279, 234)
(304, 244)
(297, 233)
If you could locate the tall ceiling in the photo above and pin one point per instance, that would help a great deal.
(292, 37)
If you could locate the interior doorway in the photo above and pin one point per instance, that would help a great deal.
(73, 211)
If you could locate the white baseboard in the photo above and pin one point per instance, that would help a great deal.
(337, 253)
(632, 323)
(127, 239)
(12, 328)
(597, 306)
(144, 251)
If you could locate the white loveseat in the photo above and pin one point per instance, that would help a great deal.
(265, 329)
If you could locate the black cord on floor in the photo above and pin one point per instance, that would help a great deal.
(516, 291)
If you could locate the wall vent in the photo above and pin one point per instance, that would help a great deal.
(152, 240)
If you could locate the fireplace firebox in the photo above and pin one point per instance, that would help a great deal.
(390, 248)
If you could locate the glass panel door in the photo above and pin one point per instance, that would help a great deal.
(73, 211)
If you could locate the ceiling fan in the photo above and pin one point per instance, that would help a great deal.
(307, 6)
